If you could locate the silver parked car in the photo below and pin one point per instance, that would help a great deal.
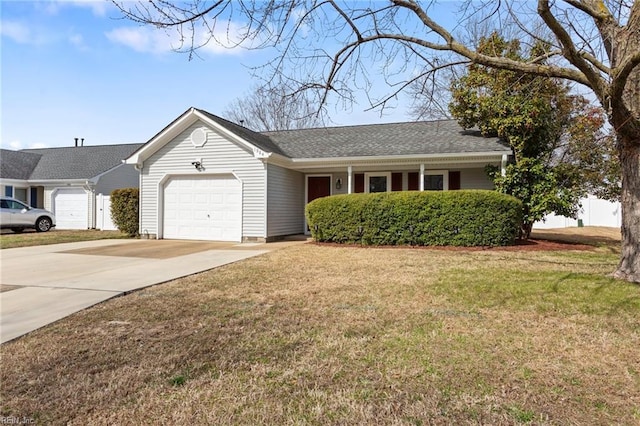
(18, 216)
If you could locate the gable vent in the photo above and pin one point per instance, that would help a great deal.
(199, 137)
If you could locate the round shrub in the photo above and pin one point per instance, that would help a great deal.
(124, 210)
(429, 218)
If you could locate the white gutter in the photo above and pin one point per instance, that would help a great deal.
(303, 163)
(57, 182)
(497, 154)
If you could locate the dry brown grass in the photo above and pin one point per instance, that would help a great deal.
(327, 335)
(591, 235)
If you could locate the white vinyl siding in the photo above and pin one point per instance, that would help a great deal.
(123, 176)
(218, 155)
(475, 179)
(285, 201)
(48, 202)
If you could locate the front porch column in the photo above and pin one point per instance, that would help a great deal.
(503, 165)
(349, 179)
(421, 182)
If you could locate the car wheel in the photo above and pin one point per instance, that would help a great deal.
(43, 224)
(17, 230)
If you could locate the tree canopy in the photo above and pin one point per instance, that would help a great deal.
(547, 126)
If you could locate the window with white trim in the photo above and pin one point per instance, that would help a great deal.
(377, 182)
(436, 180)
(20, 194)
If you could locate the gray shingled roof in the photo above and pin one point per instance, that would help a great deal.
(411, 138)
(16, 164)
(390, 139)
(82, 162)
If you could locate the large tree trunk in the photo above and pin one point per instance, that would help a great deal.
(629, 268)
(625, 118)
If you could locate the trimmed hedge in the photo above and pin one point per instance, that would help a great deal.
(124, 210)
(430, 218)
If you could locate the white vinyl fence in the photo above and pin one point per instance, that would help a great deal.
(594, 212)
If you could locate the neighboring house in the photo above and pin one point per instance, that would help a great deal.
(203, 177)
(73, 182)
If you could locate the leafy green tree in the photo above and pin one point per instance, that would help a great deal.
(539, 118)
(587, 154)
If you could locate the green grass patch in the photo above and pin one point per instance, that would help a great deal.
(545, 291)
(28, 239)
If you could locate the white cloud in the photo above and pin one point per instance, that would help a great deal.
(78, 41)
(97, 7)
(152, 40)
(37, 145)
(17, 145)
(22, 33)
(141, 39)
(17, 31)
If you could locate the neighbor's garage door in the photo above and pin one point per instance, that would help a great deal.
(203, 208)
(71, 207)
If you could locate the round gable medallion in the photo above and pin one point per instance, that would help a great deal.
(198, 137)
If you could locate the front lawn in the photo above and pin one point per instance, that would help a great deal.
(331, 335)
(29, 238)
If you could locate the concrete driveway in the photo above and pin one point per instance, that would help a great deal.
(43, 284)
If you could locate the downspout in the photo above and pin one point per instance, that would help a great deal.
(266, 205)
(138, 167)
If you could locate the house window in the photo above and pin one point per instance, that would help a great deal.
(436, 180)
(8, 191)
(377, 182)
(20, 194)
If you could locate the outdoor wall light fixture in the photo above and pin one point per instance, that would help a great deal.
(338, 183)
(197, 164)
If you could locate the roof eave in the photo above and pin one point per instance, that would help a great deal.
(302, 163)
(60, 181)
(13, 181)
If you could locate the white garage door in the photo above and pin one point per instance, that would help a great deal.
(71, 207)
(203, 208)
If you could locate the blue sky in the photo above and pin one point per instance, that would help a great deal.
(73, 69)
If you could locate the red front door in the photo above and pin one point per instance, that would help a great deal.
(318, 186)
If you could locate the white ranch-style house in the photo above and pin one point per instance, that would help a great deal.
(73, 182)
(205, 178)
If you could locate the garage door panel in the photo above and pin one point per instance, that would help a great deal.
(203, 208)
